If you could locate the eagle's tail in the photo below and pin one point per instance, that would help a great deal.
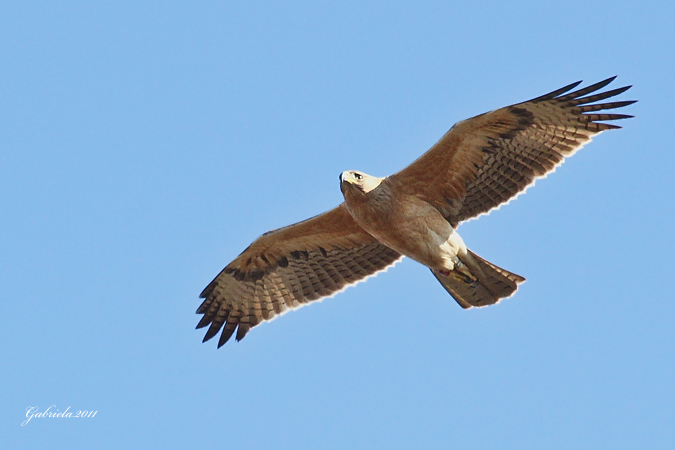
(477, 282)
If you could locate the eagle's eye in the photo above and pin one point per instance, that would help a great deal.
(358, 176)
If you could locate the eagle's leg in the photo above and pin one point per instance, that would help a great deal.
(461, 273)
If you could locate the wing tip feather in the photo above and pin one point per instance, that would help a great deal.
(554, 94)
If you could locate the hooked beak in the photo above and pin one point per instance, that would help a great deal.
(343, 182)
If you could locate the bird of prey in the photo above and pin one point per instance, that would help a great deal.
(478, 165)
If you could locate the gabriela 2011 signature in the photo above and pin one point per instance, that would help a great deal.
(53, 412)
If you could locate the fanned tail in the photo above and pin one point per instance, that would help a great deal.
(478, 282)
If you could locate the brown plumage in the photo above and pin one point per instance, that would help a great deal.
(478, 165)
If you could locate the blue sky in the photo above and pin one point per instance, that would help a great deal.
(145, 144)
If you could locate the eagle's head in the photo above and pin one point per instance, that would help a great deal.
(357, 183)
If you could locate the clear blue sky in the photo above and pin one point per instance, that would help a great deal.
(143, 145)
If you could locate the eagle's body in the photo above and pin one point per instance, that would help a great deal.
(403, 222)
(413, 227)
(480, 164)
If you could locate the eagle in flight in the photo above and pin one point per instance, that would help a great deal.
(478, 165)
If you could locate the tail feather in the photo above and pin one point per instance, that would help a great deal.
(478, 282)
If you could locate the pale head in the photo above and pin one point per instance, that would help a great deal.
(358, 182)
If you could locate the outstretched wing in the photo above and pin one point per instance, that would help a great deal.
(485, 161)
(289, 267)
